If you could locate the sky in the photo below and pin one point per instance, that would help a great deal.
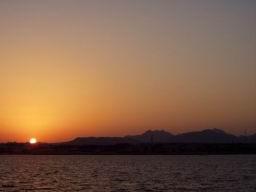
(118, 67)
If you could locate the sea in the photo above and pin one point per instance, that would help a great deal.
(221, 173)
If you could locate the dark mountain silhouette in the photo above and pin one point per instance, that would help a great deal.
(206, 142)
(214, 136)
(158, 136)
(247, 139)
(252, 138)
(100, 141)
(207, 136)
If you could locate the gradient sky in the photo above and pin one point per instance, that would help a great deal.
(116, 67)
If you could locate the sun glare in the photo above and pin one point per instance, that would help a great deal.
(33, 141)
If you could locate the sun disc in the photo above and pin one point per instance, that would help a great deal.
(33, 141)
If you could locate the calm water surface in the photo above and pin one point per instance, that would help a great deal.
(128, 173)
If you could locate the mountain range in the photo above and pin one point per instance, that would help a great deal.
(211, 136)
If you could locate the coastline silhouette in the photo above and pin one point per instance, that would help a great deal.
(209, 141)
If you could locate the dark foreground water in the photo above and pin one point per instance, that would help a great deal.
(128, 173)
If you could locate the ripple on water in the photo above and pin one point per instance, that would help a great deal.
(128, 173)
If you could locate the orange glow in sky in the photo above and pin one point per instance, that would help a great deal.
(83, 68)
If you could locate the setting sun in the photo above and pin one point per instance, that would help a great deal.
(33, 141)
(91, 89)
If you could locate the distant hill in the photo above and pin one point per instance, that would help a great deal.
(252, 138)
(158, 136)
(206, 136)
(211, 136)
(160, 142)
(100, 141)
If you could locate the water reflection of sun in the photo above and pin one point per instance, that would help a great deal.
(33, 141)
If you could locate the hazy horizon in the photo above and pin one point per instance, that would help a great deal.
(131, 134)
(113, 68)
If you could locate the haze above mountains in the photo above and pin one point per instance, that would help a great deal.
(160, 136)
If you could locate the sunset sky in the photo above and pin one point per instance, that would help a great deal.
(117, 67)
